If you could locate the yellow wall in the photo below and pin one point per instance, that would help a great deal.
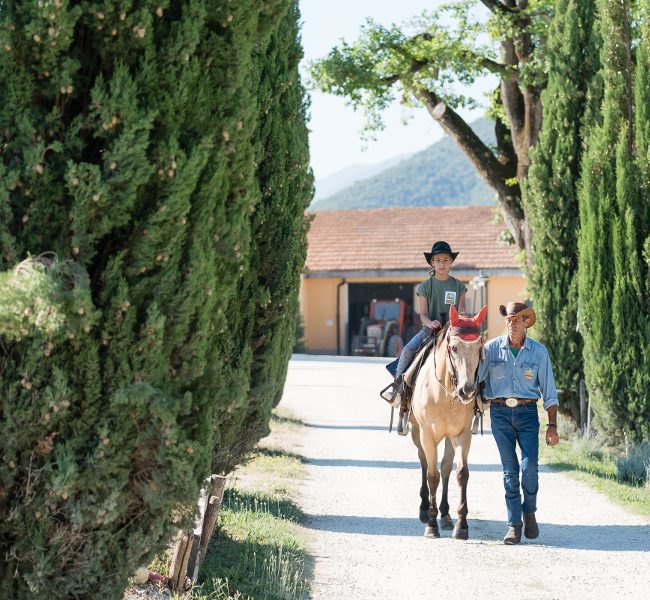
(502, 290)
(319, 313)
(318, 306)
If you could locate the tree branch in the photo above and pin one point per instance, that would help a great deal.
(497, 7)
(505, 72)
(481, 156)
(496, 174)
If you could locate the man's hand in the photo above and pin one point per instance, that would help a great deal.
(552, 438)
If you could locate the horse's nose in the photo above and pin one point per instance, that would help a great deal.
(469, 389)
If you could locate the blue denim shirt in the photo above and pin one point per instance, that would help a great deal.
(528, 375)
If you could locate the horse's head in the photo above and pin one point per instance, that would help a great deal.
(464, 349)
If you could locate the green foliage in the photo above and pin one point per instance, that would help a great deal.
(613, 293)
(135, 147)
(268, 291)
(441, 175)
(436, 51)
(550, 193)
(634, 467)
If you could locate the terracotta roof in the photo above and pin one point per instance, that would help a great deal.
(395, 238)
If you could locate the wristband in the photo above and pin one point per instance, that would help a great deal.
(552, 425)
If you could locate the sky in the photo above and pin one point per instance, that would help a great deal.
(335, 129)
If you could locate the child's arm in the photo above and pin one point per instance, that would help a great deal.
(424, 314)
(461, 303)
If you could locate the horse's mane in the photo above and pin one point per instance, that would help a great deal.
(442, 334)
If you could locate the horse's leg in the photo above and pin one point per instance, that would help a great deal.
(424, 488)
(445, 471)
(430, 450)
(462, 444)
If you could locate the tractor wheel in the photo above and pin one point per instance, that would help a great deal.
(394, 346)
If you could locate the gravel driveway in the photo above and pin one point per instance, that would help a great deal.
(361, 499)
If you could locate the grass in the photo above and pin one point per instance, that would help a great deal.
(592, 461)
(259, 549)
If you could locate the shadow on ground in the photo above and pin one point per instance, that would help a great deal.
(607, 538)
(390, 464)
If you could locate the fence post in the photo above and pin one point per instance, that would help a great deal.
(589, 415)
(191, 544)
(583, 406)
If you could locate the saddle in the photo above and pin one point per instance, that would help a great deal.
(399, 393)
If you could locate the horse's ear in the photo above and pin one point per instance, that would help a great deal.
(478, 319)
(453, 316)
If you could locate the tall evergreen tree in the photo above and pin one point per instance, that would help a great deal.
(129, 143)
(269, 288)
(613, 294)
(570, 102)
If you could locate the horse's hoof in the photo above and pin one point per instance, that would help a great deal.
(446, 522)
(424, 516)
(431, 532)
(461, 534)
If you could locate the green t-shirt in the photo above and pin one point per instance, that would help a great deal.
(440, 296)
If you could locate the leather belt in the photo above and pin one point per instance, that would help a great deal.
(512, 402)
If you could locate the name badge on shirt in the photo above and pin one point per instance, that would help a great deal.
(528, 375)
(450, 297)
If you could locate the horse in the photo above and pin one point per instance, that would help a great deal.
(443, 406)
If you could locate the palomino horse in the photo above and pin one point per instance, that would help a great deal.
(444, 399)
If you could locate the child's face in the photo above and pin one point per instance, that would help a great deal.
(441, 263)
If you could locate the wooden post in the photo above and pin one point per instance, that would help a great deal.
(217, 485)
(588, 432)
(178, 569)
(583, 406)
(194, 561)
(191, 544)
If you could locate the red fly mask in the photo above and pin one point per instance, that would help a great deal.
(464, 352)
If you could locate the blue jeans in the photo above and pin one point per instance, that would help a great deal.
(509, 427)
(408, 352)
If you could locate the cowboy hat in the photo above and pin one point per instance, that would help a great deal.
(440, 248)
(518, 309)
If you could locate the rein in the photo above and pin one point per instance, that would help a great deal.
(465, 330)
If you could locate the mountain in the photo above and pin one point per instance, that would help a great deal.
(330, 185)
(440, 175)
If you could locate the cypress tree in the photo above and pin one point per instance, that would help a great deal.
(129, 151)
(550, 194)
(269, 287)
(613, 298)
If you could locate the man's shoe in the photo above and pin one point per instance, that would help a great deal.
(531, 530)
(513, 536)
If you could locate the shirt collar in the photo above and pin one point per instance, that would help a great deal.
(505, 342)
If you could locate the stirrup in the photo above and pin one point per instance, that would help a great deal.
(392, 394)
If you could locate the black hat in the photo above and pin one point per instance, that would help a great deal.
(440, 248)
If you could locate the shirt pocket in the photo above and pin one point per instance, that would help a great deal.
(498, 370)
(529, 372)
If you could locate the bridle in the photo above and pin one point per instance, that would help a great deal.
(465, 330)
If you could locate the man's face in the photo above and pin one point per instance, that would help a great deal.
(516, 326)
(441, 263)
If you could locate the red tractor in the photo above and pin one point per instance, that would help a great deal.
(383, 332)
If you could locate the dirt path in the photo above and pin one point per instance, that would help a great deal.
(362, 502)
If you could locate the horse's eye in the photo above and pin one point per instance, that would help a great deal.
(454, 348)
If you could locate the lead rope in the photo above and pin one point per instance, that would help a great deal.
(479, 411)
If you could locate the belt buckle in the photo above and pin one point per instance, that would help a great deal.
(512, 402)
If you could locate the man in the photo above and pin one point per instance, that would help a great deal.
(516, 370)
